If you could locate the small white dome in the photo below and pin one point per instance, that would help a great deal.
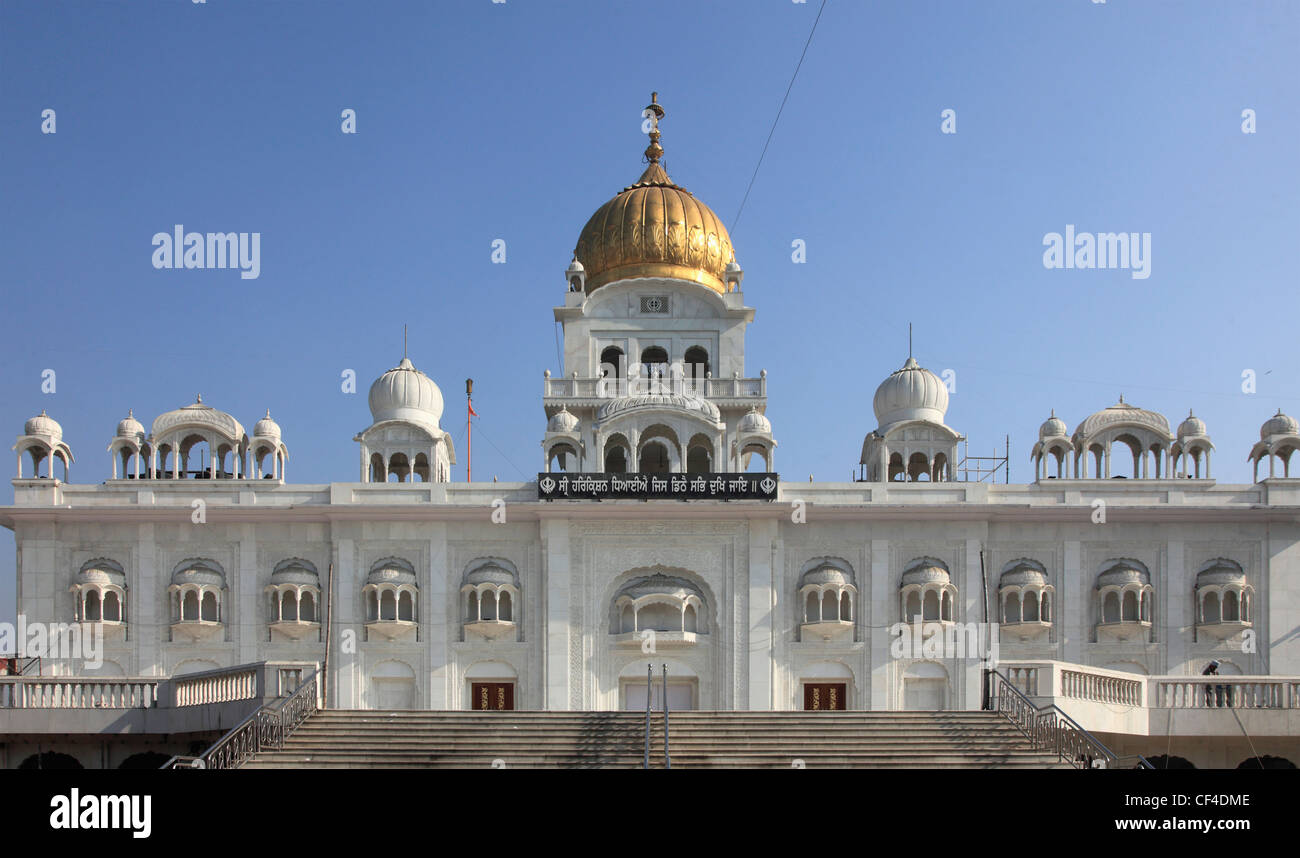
(130, 427)
(829, 575)
(659, 585)
(754, 423)
(266, 427)
(1023, 575)
(391, 570)
(43, 424)
(1053, 427)
(490, 574)
(1278, 424)
(575, 267)
(1221, 572)
(102, 571)
(1123, 573)
(926, 573)
(294, 571)
(911, 393)
(199, 572)
(405, 393)
(1190, 427)
(562, 421)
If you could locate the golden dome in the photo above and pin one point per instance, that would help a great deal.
(654, 228)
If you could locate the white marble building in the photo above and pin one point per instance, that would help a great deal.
(465, 595)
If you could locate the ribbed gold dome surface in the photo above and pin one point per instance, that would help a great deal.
(654, 228)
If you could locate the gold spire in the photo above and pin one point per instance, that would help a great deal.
(655, 112)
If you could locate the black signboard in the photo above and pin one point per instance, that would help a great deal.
(605, 486)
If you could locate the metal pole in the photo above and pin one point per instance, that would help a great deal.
(649, 673)
(329, 635)
(668, 760)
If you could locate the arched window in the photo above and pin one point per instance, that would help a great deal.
(210, 612)
(615, 460)
(697, 364)
(1110, 608)
(190, 607)
(613, 363)
(697, 460)
(112, 607)
(654, 458)
(654, 357)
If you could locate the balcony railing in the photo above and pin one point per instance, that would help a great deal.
(611, 388)
(1097, 685)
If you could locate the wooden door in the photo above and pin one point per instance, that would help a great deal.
(492, 696)
(825, 696)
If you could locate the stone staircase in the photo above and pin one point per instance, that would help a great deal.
(446, 740)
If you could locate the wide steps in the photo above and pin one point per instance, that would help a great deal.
(423, 739)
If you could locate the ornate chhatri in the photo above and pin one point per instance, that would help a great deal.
(655, 228)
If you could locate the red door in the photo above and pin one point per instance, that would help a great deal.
(493, 696)
(825, 696)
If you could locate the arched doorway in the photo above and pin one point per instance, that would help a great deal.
(683, 686)
(392, 686)
(925, 687)
(826, 687)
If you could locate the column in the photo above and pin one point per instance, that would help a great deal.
(143, 606)
(437, 602)
(763, 601)
(883, 596)
(555, 536)
(1071, 607)
(243, 619)
(1174, 605)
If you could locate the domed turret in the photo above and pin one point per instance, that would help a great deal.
(43, 424)
(562, 421)
(266, 427)
(405, 393)
(131, 428)
(1053, 427)
(404, 440)
(911, 393)
(655, 228)
(1191, 427)
(1278, 424)
(754, 423)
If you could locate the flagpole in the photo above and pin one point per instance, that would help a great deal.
(469, 431)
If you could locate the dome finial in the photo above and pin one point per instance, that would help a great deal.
(654, 112)
(198, 400)
(1121, 399)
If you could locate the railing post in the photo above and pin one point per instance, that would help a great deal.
(649, 673)
(668, 760)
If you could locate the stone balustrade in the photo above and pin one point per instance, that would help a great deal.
(258, 680)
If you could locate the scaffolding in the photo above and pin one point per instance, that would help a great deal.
(984, 468)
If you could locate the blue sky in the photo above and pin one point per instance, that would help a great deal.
(480, 120)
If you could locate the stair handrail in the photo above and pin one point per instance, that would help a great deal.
(649, 683)
(266, 727)
(668, 760)
(1051, 728)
